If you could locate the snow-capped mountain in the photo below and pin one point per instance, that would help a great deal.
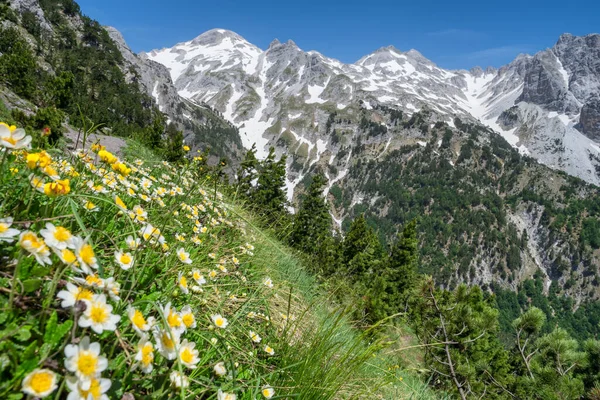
(546, 105)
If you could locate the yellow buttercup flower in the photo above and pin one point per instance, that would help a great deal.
(107, 156)
(58, 188)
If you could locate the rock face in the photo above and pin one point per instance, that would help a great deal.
(590, 119)
(283, 96)
(200, 125)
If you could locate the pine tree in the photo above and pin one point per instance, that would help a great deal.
(269, 196)
(174, 148)
(312, 222)
(459, 331)
(247, 173)
(361, 238)
(527, 329)
(402, 268)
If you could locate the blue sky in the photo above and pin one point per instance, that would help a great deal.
(453, 34)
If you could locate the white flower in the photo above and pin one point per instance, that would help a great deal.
(139, 323)
(145, 355)
(113, 288)
(221, 395)
(57, 237)
(179, 380)
(254, 336)
(183, 283)
(14, 138)
(124, 260)
(188, 356)
(268, 282)
(85, 361)
(7, 233)
(85, 255)
(72, 294)
(220, 369)
(267, 391)
(95, 389)
(98, 315)
(36, 246)
(187, 316)
(39, 383)
(269, 350)
(219, 321)
(198, 277)
(184, 256)
(173, 318)
(132, 243)
(166, 342)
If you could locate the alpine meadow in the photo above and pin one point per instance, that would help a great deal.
(216, 220)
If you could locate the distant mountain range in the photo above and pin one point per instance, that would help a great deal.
(545, 105)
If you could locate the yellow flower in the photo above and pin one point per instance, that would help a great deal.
(96, 147)
(120, 203)
(58, 188)
(41, 159)
(186, 148)
(121, 168)
(107, 156)
(39, 383)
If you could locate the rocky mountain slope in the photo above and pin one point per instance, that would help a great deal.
(545, 105)
(400, 138)
(60, 33)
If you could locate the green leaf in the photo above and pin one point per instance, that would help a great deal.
(23, 333)
(55, 332)
(31, 285)
(15, 396)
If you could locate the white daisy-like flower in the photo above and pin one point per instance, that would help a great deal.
(173, 318)
(35, 246)
(183, 283)
(39, 383)
(132, 243)
(95, 390)
(221, 395)
(166, 342)
(220, 369)
(57, 237)
(7, 233)
(198, 277)
(219, 321)
(85, 361)
(188, 355)
(113, 288)
(255, 337)
(179, 380)
(184, 256)
(268, 282)
(269, 350)
(72, 294)
(267, 391)
(138, 322)
(124, 260)
(85, 255)
(98, 315)
(145, 355)
(14, 138)
(187, 316)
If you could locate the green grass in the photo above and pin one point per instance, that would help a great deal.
(317, 352)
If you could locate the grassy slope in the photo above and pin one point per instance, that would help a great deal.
(317, 353)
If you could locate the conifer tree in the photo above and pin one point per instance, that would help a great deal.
(269, 196)
(527, 329)
(402, 268)
(459, 329)
(361, 238)
(174, 148)
(247, 173)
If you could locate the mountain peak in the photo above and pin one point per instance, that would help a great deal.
(216, 36)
